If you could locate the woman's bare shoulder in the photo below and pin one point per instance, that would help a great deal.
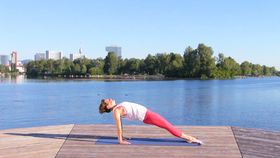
(120, 110)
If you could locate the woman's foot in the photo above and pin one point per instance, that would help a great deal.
(197, 142)
(191, 139)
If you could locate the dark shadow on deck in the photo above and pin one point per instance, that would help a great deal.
(91, 138)
(77, 137)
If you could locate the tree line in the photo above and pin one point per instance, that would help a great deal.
(195, 63)
(4, 69)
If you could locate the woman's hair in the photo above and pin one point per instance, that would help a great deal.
(103, 107)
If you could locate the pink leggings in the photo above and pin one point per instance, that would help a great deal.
(155, 119)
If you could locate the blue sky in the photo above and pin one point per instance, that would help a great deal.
(243, 29)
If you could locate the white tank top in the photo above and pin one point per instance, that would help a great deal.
(133, 111)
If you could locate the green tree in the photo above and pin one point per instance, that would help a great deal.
(273, 71)
(163, 62)
(122, 66)
(50, 66)
(151, 65)
(132, 66)
(83, 69)
(175, 66)
(31, 70)
(95, 71)
(4, 69)
(77, 69)
(66, 66)
(220, 60)
(57, 67)
(142, 66)
(246, 68)
(227, 67)
(207, 61)
(191, 63)
(111, 63)
(84, 63)
(98, 65)
(257, 70)
(13, 67)
(266, 71)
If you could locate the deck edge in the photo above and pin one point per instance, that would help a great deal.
(236, 141)
(64, 140)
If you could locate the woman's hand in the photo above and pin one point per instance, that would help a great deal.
(124, 142)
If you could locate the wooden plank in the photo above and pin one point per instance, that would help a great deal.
(33, 142)
(257, 143)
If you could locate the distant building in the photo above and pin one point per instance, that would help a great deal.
(15, 63)
(14, 57)
(117, 50)
(40, 56)
(53, 55)
(80, 51)
(77, 55)
(20, 67)
(4, 60)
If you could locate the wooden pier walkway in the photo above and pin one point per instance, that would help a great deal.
(79, 141)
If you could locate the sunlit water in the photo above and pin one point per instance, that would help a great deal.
(251, 102)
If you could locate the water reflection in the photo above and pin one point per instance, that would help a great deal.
(17, 79)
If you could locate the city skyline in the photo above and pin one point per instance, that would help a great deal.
(244, 30)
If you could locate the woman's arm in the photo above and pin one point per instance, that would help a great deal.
(117, 117)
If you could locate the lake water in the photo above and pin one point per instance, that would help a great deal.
(251, 102)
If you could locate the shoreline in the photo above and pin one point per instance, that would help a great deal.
(120, 77)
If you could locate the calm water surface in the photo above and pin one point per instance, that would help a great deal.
(252, 102)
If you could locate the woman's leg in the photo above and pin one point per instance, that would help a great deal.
(155, 119)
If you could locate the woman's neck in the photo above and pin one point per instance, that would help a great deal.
(114, 106)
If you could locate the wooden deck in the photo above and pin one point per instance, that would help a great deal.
(257, 143)
(73, 141)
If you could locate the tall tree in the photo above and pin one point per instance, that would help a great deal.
(133, 66)
(257, 70)
(207, 61)
(111, 63)
(151, 64)
(221, 59)
(175, 66)
(246, 68)
(163, 62)
(191, 63)
(98, 65)
(77, 69)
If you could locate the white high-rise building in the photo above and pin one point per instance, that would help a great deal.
(39, 56)
(53, 55)
(117, 50)
(14, 57)
(77, 55)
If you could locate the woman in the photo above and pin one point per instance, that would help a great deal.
(135, 111)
